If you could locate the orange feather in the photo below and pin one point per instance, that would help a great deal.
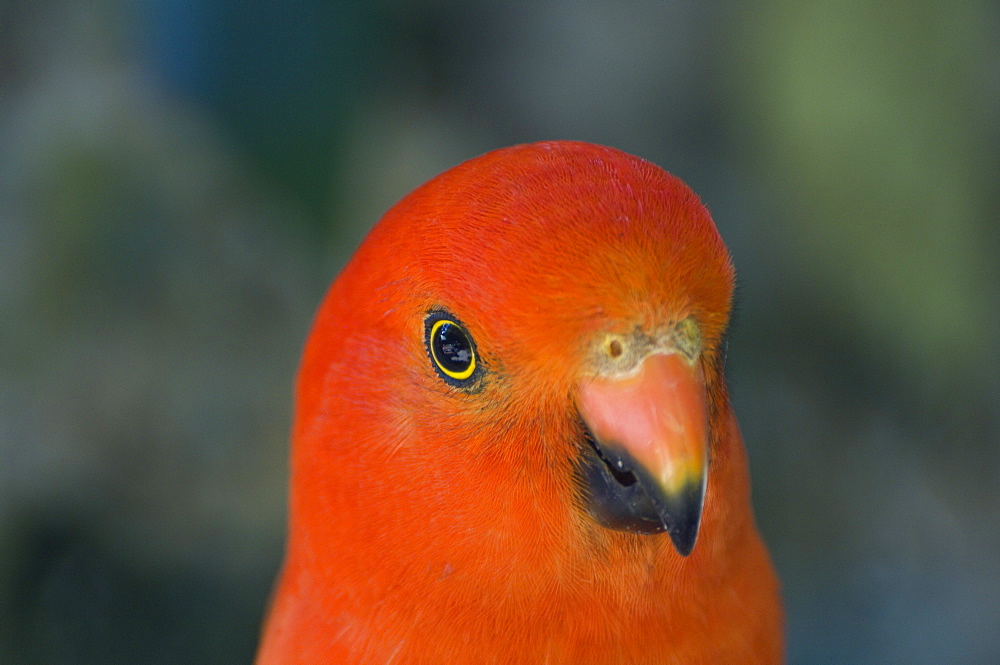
(436, 519)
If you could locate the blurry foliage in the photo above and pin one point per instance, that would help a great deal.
(278, 78)
(180, 180)
(870, 121)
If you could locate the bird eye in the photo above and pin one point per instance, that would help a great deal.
(450, 348)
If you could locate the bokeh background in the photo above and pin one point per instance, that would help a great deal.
(181, 180)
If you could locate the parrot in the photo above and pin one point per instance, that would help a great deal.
(512, 439)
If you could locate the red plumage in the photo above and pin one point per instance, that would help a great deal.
(436, 520)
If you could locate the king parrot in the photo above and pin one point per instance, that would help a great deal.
(513, 441)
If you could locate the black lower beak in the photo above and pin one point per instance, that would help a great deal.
(621, 495)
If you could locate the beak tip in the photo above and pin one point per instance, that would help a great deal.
(681, 513)
(684, 540)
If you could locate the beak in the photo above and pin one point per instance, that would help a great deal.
(651, 430)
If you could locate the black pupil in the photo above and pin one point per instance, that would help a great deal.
(452, 348)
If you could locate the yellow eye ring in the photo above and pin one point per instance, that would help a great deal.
(451, 349)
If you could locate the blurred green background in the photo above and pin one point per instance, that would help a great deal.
(180, 181)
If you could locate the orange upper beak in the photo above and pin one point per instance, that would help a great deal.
(653, 423)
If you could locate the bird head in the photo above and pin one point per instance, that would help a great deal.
(534, 335)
